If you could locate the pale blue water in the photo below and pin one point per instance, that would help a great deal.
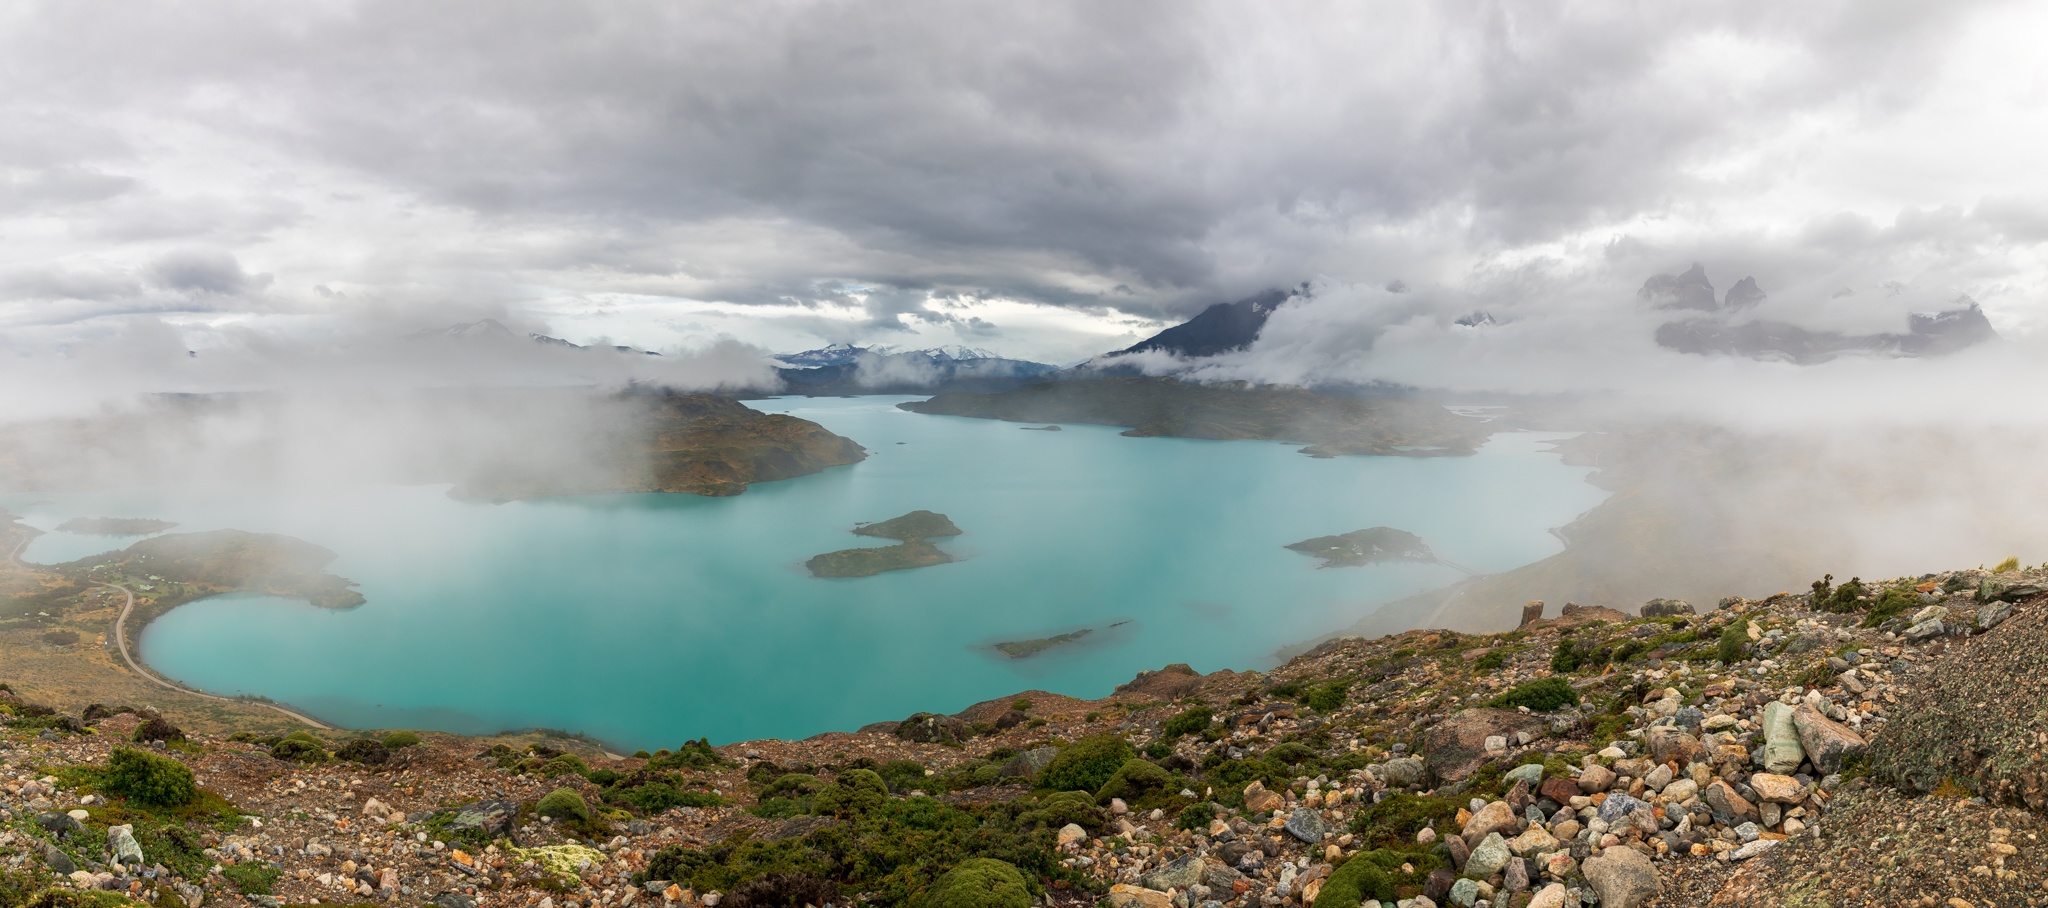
(650, 619)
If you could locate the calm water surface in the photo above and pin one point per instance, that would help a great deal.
(649, 619)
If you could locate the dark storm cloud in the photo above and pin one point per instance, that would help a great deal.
(1043, 151)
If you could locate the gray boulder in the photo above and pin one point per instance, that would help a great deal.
(1028, 763)
(1487, 859)
(1307, 825)
(1180, 875)
(122, 840)
(1623, 877)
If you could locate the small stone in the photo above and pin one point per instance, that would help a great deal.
(1552, 896)
(1072, 833)
(1657, 778)
(1492, 818)
(1595, 779)
(1488, 857)
(1464, 892)
(1118, 807)
(1777, 788)
(1752, 849)
(1530, 773)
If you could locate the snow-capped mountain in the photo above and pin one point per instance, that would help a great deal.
(491, 330)
(842, 354)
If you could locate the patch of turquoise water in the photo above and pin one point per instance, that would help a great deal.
(650, 619)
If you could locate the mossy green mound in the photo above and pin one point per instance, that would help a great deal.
(1134, 778)
(1373, 875)
(150, 779)
(979, 883)
(563, 803)
(855, 792)
(1087, 764)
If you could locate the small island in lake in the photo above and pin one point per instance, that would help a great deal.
(914, 525)
(1368, 546)
(1024, 649)
(114, 526)
(1041, 429)
(914, 552)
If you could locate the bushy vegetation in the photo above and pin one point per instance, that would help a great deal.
(902, 776)
(1733, 638)
(1188, 721)
(2010, 564)
(1087, 764)
(899, 852)
(1324, 698)
(1195, 816)
(692, 755)
(855, 792)
(1133, 779)
(251, 878)
(363, 750)
(401, 739)
(1374, 875)
(1393, 823)
(562, 804)
(980, 883)
(300, 747)
(1540, 695)
(149, 779)
(1893, 603)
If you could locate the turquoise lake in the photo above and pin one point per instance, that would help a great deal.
(646, 620)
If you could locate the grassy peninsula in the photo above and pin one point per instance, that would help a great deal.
(114, 526)
(1393, 427)
(1367, 546)
(913, 552)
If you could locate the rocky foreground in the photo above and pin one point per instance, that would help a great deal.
(1873, 744)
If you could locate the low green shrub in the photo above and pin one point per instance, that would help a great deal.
(1087, 764)
(980, 883)
(1132, 779)
(1292, 753)
(563, 804)
(794, 784)
(398, 739)
(300, 747)
(1325, 698)
(1733, 638)
(855, 792)
(1195, 817)
(1021, 704)
(150, 779)
(1188, 722)
(251, 878)
(1492, 662)
(1393, 823)
(1374, 875)
(1540, 695)
(692, 755)
(1893, 603)
(564, 764)
(901, 775)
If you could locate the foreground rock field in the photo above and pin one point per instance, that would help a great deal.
(1869, 744)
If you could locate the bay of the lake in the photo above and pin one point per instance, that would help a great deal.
(646, 620)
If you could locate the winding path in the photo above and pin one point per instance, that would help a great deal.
(121, 637)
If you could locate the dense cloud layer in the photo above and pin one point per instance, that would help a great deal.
(795, 171)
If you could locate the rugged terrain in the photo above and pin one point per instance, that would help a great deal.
(1330, 426)
(1861, 744)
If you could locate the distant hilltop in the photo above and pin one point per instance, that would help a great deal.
(491, 330)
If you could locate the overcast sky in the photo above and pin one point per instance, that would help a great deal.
(1045, 179)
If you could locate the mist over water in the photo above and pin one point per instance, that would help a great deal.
(647, 619)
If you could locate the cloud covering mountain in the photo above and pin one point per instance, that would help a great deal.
(1067, 177)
